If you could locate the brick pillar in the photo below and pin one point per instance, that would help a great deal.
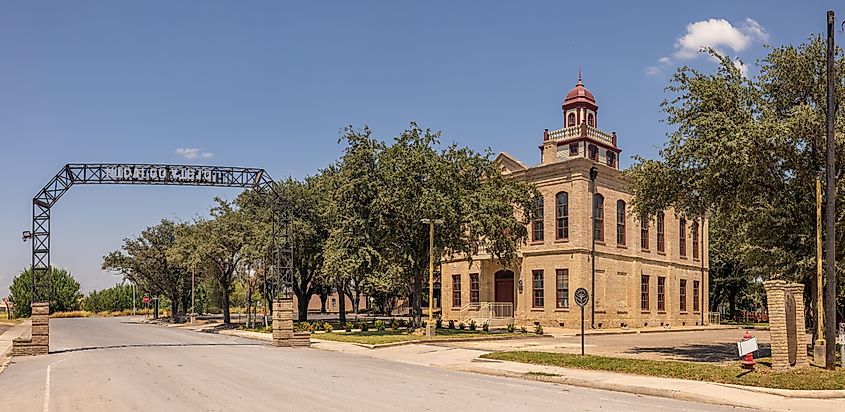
(38, 342)
(800, 324)
(283, 322)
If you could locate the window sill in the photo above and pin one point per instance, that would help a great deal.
(537, 242)
(600, 242)
(564, 240)
(645, 250)
(645, 312)
(621, 312)
(621, 246)
(538, 309)
(683, 312)
(661, 253)
(683, 257)
(564, 310)
(696, 259)
(661, 312)
(601, 312)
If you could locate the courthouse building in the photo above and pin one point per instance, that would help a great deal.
(648, 272)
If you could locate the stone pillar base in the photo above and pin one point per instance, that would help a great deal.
(283, 322)
(38, 340)
(430, 329)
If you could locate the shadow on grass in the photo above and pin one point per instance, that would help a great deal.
(716, 352)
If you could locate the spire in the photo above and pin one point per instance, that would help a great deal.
(579, 75)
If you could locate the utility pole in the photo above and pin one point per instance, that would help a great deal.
(830, 274)
(431, 327)
(594, 172)
(819, 351)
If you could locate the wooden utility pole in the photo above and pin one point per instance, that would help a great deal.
(819, 348)
(830, 211)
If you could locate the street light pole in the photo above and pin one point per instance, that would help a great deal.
(594, 172)
(830, 261)
(431, 328)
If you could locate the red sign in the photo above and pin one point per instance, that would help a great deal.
(146, 299)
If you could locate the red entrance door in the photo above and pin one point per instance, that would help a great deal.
(504, 286)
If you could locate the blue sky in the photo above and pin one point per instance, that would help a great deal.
(270, 84)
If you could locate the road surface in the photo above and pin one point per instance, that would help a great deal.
(114, 364)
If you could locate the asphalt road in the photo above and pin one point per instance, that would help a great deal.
(112, 364)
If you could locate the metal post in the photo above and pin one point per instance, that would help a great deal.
(193, 297)
(133, 298)
(582, 331)
(431, 273)
(594, 171)
(830, 273)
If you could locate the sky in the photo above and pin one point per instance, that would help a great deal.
(271, 84)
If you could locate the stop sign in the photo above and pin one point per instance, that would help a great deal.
(146, 299)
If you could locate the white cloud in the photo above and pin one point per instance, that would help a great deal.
(193, 153)
(743, 68)
(718, 34)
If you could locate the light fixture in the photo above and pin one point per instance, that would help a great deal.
(26, 235)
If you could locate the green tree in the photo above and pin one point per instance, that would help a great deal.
(746, 152)
(146, 262)
(65, 292)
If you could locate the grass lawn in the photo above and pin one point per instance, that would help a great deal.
(810, 378)
(391, 336)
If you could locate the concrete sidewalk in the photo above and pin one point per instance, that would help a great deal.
(6, 341)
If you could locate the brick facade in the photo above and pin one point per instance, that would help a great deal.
(620, 266)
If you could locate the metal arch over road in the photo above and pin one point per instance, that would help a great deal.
(156, 174)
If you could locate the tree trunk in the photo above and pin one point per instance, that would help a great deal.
(302, 303)
(416, 299)
(324, 297)
(225, 304)
(341, 304)
(174, 307)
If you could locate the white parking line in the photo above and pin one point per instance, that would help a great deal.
(47, 386)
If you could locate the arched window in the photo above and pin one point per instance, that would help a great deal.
(644, 232)
(562, 215)
(590, 120)
(611, 159)
(593, 152)
(570, 120)
(620, 222)
(661, 233)
(537, 225)
(682, 236)
(598, 214)
(695, 240)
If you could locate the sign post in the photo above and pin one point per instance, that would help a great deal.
(581, 299)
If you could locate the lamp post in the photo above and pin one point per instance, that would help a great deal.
(594, 172)
(430, 327)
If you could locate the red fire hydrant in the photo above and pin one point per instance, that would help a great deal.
(748, 359)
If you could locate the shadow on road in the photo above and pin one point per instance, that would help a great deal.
(716, 352)
(150, 345)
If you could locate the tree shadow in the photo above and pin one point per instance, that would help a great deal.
(715, 352)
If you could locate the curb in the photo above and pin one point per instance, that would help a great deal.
(614, 387)
(792, 393)
(639, 331)
(431, 342)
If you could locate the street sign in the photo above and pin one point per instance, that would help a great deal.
(146, 299)
(581, 297)
(747, 346)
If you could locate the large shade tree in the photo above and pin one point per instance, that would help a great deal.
(746, 151)
(65, 292)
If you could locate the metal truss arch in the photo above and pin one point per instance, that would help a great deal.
(157, 174)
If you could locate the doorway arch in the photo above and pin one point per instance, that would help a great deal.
(503, 290)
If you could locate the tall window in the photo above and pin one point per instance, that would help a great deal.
(598, 214)
(562, 281)
(562, 215)
(644, 292)
(611, 159)
(456, 291)
(537, 225)
(661, 293)
(590, 120)
(695, 296)
(593, 152)
(644, 232)
(682, 236)
(537, 286)
(620, 222)
(682, 295)
(474, 288)
(571, 119)
(695, 240)
(661, 233)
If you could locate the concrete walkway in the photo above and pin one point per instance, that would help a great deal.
(444, 355)
(6, 341)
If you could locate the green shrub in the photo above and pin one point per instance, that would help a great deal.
(365, 326)
(394, 324)
(380, 325)
(439, 323)
(402, 323)
(327, 327)
(461, 326)
(348, 326)
(451, 324)
(538, 329)
(523, 329)
(485, 327)
(472, 324)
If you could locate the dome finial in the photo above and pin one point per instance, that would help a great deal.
(579, 75)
